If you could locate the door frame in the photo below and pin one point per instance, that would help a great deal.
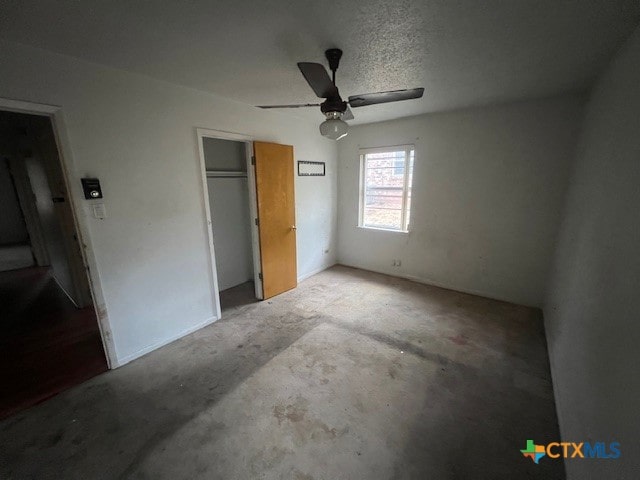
(24, 192)
(72, 185)
(202, 133)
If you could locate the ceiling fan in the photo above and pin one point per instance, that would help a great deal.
(334, 108)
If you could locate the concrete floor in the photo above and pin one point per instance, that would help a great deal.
(353, 375)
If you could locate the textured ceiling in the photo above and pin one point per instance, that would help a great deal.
(464, 52)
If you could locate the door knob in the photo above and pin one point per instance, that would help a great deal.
(293, 227)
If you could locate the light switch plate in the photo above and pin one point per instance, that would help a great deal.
(99, 211)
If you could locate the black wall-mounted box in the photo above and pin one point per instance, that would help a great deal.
(91, 188)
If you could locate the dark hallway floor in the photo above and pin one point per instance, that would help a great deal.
(352, 375)
(48, 345)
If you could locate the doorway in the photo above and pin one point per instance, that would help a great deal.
(250, 211)
(49, 330)
(227, 179)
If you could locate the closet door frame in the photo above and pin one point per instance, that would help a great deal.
(202, 133)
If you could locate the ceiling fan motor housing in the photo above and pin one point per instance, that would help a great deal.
(333, 105)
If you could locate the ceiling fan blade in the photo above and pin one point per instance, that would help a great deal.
(299, 105)
(318, 79)
(347, 115)
(384, 97)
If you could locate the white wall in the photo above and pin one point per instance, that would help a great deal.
(137, 135)
(226, 155)
(592, 305)
(229, 203)
(13, 257)
(488, 187)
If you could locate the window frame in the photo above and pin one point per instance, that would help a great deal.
(405, 215)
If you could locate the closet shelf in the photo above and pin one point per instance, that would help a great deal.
(226, 174)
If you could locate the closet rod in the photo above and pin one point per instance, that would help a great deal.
(225, 174)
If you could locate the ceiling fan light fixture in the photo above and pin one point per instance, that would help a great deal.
(333, 106)
(333, 127)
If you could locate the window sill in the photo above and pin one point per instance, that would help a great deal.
(377, 229)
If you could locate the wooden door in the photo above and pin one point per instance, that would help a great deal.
(276, 217)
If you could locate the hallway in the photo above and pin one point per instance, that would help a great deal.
(48, 345)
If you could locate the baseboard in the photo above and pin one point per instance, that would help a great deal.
(433, 283)
(315, 272)
(120, 361)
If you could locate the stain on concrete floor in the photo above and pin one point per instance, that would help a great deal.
(353, 375)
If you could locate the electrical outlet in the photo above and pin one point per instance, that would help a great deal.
(396, 262)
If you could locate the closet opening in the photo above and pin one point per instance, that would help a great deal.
(230, 197)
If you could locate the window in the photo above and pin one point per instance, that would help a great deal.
(386, 176)
(398, 167)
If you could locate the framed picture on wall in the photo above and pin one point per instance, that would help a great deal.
(310, 169)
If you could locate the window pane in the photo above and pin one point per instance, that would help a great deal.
(379, 178)
(383, 200)
(379, 218)
(385, 159)
(389, 162)
(385, 177)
